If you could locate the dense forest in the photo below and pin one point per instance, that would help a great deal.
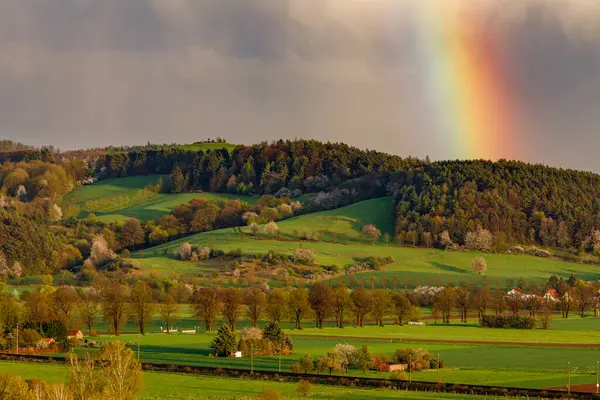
(478, 205)
(517, 202)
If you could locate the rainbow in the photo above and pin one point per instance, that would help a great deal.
(465, 84)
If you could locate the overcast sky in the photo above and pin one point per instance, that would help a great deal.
(84, 73)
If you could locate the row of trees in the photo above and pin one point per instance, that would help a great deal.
(51, 311)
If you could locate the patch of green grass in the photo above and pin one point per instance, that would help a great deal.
(518, 366)
(346, 223)
(209, 146)
(158, 385)
(143, 208)
(412, 266)
(466, 332)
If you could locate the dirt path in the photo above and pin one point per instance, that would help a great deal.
(585, 388)
(476, 342)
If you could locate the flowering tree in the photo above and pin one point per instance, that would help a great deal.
(271, 228)
(371, 233)
(252, 336)
(479, 265)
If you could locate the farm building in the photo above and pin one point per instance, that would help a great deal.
(552, 295)
(75, 335)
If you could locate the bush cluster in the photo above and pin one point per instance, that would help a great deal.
(507, 322)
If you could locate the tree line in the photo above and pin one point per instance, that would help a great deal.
(52, 310)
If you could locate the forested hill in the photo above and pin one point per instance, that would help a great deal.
(436, 204)
(517, 202)
(262, 168)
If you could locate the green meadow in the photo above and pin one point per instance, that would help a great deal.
(158, 385)
(489, 364)
(130, 201)
(340, 243)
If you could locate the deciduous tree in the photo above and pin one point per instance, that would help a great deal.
(168, 310)
(207, 306)
(233, 301)
(142, 306)
(298, 305)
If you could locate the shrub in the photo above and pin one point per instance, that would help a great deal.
(29, 338)
(416, 358)
(398, 376)
(303, 388)
(203, 253)
(236, 253)
(304, 256)
(185, 252)
(214, 253)
(378, 263)
(507, 322)
(270, 394)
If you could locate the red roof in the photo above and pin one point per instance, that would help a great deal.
(73, 333)
(553, 293)
(48, 340)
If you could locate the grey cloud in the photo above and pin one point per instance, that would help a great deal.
(81, 73)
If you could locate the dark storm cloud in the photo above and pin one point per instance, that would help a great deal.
(80, 73)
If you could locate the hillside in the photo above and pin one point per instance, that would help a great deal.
(121, 198)
(413, 265)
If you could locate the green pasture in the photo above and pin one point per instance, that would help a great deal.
(158, 385)
(412, 266)
(344, 224)
(144, 208)
(518, 366)
(573, 331)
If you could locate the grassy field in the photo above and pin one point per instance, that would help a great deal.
(133, 206)
(413, 266)
(561, 332)
(517, 366)
(179, 386)
(344, 224)
(210, 146)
